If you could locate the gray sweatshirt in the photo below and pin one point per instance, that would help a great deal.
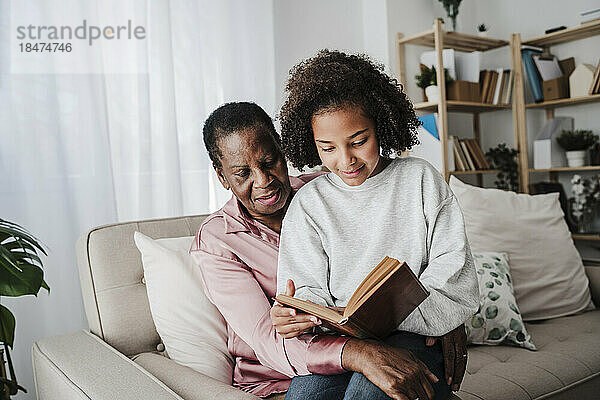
(334, 234)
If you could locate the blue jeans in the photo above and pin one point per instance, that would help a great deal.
(354, 385)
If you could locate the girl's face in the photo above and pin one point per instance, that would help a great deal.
(347, 145)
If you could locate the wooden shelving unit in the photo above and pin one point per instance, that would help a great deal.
(479, 171)
(454, 40)
(439, 40)
(462, 106)
(567, 35)
(561, 37)
(589, 237)
(567, 169)
(565, 102)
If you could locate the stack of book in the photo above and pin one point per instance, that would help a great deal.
(496, 86)
(468, 155)
(595, 86)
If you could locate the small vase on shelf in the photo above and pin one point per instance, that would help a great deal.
(433, 93)
(576, 158)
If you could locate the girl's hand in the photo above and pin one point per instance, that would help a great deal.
(288, 322)
(394, 370)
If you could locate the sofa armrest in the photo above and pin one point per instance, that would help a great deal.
(189, 384)
(593, 274)
(81, 366)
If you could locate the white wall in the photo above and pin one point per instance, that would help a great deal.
(302, 28)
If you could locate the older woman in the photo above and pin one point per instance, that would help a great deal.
(236, 249)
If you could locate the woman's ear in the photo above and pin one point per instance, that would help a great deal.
(222, 178)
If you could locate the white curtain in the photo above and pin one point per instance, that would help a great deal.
(81, 150)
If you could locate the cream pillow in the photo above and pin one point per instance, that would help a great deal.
(192, 329)
(548, 276)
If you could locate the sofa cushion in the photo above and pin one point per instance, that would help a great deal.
(547, 271)
(567, 360)
(192, 330)
(498, 319)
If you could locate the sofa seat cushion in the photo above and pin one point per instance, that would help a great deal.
(568, 355)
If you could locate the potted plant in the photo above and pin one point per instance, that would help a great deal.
(576, 144)
(482, 30)
(504, 158)
(427, 80)
(451, 7)
(21, 274)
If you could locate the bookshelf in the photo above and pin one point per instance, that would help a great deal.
(440, 40)
(582, 31)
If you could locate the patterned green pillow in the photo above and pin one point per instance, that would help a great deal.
(498, 319)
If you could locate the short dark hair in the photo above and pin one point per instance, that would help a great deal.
(235, 117)
(332, 80)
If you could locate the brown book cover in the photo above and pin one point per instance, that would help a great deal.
(467, 154)
(480, 154)
(484, 78)
(492, 87)
(458, 157)
(474, 157)
(381, 302)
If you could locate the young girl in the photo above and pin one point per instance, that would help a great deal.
(343, 112)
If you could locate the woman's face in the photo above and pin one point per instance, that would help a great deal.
(347, 145)
(254, 169)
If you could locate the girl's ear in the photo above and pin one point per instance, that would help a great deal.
(222, 178)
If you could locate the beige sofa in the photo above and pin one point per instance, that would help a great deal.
(120, 356)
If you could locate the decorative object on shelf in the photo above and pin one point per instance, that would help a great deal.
(21, 274)
(584, 204)
(503, 158)
(595, 86)
(546, 151)
(451, 7)
(482, 30)
(556, 29)
(576, 144)
(427, 80)
(580, 80)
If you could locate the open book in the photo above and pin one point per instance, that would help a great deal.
(381, 302)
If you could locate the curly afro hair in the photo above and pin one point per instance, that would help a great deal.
(234, 117)
(332, 80)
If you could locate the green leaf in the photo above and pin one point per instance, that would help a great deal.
(17, 231)
(491, 312)
(496, 333)
(26, 280)
(515, 325)
(45, 286)
(493, 295)
(7, 326)
(477, 321)
(514, 308)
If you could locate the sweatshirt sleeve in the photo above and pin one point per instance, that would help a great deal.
(302, 258)
(231, 286)
(449, 274)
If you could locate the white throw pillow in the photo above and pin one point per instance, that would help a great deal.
(548, 276)
(498, 319)
(192, 329)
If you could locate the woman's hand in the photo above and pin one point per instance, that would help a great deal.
(394, 370)
(454, 348)
(288, 322)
